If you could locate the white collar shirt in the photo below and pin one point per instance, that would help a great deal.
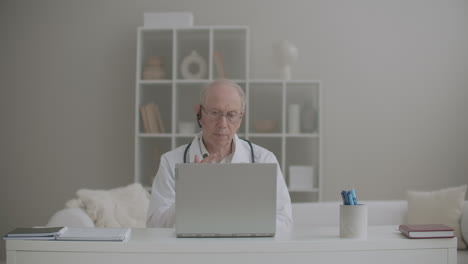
(204, 151)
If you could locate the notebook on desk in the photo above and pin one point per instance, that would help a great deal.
(225, 200)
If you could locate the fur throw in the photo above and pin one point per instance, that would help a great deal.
(120, 207)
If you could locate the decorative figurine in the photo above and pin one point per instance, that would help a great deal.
(193, 67)
(153, 69)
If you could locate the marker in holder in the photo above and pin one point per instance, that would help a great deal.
(353, 216)
(353, 221)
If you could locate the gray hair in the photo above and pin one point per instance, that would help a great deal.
(227, 82)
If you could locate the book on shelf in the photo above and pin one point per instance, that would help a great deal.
(35, 233)
(151, 117)
(158, 119)
(70, 234)
(144, 118)
(219, 64)
(427, 231)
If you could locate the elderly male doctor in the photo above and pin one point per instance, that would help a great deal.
(220, 113)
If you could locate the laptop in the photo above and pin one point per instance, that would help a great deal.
(225, 200)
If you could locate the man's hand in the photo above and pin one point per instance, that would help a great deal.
(209, 159)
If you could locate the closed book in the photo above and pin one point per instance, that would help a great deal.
(144, 118)
(95, 234)
(152, 118)
(159, 119)
(427, 231)
(41, 233)
(218, 60)
(29, 237)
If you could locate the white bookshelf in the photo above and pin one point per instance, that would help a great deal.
(268, 99)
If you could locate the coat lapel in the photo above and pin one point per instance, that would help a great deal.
(241, 153)
(194, 149)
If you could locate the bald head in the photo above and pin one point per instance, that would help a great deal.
(222, 85)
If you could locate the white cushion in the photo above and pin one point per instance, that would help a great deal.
(119, 207)
(71, 217)
(438, 207)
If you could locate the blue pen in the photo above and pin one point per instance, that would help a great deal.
(353, 194)
(350, 198)
(343, 196)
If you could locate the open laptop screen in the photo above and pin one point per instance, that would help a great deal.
(225, 200)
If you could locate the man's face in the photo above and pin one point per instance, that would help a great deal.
(221, 114)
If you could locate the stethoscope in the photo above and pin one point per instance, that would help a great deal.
(250, 144)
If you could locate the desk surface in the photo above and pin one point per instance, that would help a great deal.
(300, 239)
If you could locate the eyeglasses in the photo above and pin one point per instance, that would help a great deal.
(231, 116)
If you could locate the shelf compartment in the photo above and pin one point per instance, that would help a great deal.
(265, 107)
(157, 94)
(306, 95)
(188, 42)
(156, 54)
(303, 152)
(230, 53)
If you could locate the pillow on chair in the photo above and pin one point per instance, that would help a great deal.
(438, 207)
(119, 207)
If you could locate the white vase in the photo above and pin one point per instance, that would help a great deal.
(193, 67)
(288, 55)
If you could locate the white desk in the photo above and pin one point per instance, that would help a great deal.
(318, 245)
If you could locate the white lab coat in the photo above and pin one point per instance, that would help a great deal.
(161, 211)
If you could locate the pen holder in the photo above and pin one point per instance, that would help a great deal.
(353, 221)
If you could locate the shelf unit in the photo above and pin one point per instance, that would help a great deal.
(176, 96)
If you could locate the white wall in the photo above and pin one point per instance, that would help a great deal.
(395, 75)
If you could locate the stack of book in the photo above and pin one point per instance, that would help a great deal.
(69, 234)
(151, 117)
